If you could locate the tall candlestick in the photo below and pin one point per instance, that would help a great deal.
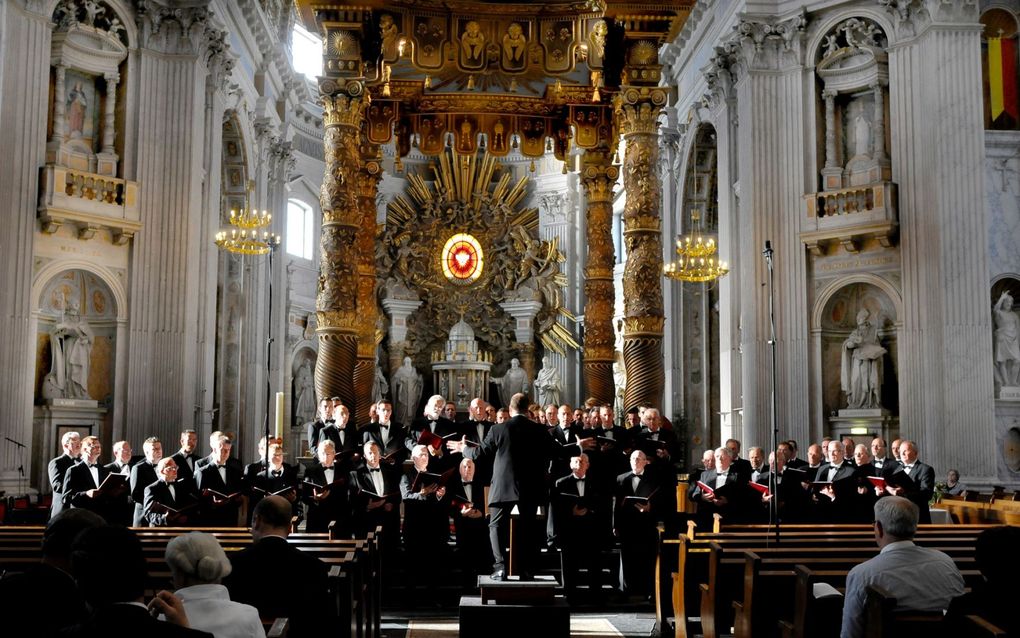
(279, 415)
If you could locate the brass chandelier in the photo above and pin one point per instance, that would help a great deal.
(247, 234)
(696, 260)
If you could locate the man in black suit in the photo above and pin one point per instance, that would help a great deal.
(659, 445)
(728, 496)
(740, 466)
(280, 479)
(912, 480)
(880, 459)
(123, 511)
(789, 490)
(82, 482)
(583, 524)
(278, 579)
(521, 450)
(57, 468)
(167, 496)
(50, 579)
(255, 468)
(186, 458)
(213, 456)
(220, 484)
(323, 417)
(609, 457)
(426, 521)
(325, 493)
(375, 497)
(434, 420)
(639, 509)
(109, 565)
(340, 431)
(143, 474)
(389, 436)
(836, 499)
(467, 500)
(475, 429)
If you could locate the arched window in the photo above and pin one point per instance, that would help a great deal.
(999, 70)
(306, 53)
(300, 229)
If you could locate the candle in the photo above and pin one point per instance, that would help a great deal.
(279, 415)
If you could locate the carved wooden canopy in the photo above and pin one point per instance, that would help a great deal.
(520, 72)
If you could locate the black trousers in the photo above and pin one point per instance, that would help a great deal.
(527, 529)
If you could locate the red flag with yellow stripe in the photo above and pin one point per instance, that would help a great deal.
(1002, 81)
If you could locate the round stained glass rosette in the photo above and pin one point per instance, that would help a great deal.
(462, 259)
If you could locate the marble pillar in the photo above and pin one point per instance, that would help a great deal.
(637, 110)
(945, 371)
(24, 87)
(165, 284)
(598, 176)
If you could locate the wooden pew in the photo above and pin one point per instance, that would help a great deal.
(978, 627)
(883, 621)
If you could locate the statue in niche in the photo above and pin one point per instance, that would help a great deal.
(304, 394)
(620, 381)
(515, 380)
(861, 365)
(597, 44)
(380, 388)
(77, 104)
(388, 33)
(407, 387)
(547, 384)
(70, 349)
(1007, 340)
(862, 135)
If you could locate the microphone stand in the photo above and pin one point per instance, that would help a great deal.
(774, 416)
(21, 465)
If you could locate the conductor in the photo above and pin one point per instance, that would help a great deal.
(521, 450)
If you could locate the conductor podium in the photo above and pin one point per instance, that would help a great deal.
(514, 607)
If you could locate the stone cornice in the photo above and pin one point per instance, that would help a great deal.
(915, 16)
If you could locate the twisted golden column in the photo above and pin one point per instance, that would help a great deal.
(336, 303)
(637, 111)
(368, 309)
(598, 175)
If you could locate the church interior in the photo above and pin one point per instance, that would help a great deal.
(228, 213)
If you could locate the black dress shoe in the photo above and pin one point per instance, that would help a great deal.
(499, 574)
(527, 576)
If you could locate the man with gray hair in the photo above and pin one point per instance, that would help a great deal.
(57, 468)
(921, 579)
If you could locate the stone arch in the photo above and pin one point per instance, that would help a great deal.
(58, 290)
(124, 14)
(822, 28)
(1006, 373)
(834, 318)
(701, 181)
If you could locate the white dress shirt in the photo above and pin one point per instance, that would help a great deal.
(209, 608)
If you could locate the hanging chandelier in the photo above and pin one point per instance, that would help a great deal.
(696, 256)
(247, 234)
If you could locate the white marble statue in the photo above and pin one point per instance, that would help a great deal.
(862, 136)
(547, 384)
(515, 380)
(380, 388)
(407, 387)
(304, 394)
(861, 365)
(70, 351)
(1007, 341)
(620, 381)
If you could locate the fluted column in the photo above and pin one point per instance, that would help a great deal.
(165, 278)
(26, 49)
(830, 128)
(336, 303)
(945, 366)
(598, 176)
(637, 111)
(109, 132)
(368, 310)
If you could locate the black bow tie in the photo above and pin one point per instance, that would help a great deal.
(375, 469)
(467, 482)
(277, 473)
(384, 425)
(93, 465)
(579, 479)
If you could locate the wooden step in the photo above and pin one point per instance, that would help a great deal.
(513, 591)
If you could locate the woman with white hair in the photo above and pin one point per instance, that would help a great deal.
(198, 564)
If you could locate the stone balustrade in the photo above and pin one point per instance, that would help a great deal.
(848, 216)
(89, 201)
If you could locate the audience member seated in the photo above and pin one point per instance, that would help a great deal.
(198, 565)
(994, 600)
(277, 578)
(50, 580)
(110, 568)
(953, 485)
(920, 578)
